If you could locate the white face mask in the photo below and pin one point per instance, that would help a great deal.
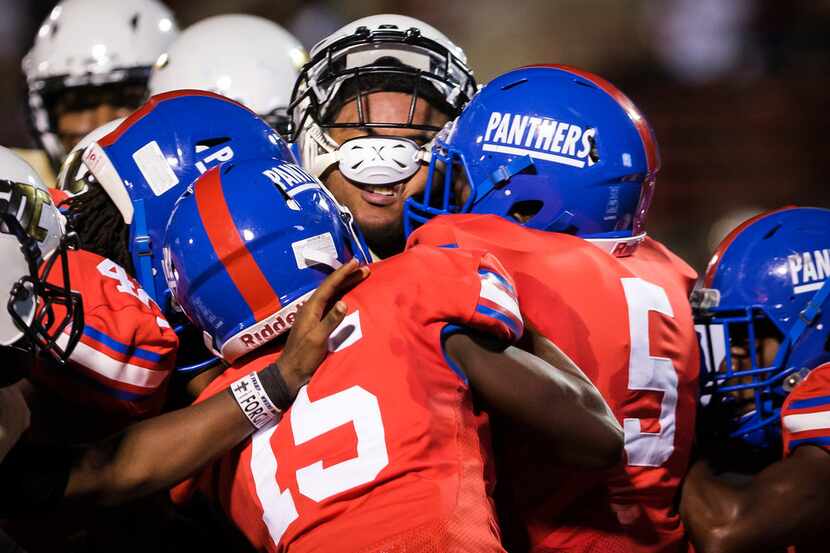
(375, 160)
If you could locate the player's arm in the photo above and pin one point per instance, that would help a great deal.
(543, 348)
(788, 503)
(158, 452)
(146, 457)
(162, 451)
(554, 398)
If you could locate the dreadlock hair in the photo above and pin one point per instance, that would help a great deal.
(100, 226)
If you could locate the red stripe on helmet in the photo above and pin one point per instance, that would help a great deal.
(640, 123)
(231, 249)
(714, 263)
(151, 104)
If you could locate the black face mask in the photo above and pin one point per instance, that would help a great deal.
(328, 81)
(40, 335)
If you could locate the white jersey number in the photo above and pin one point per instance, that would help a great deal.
(649, 373)
(110, 269)
(309, 420)
(126, 285)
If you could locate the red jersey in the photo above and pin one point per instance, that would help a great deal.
(805, 415)
(383, 450)
(626, 321)
(58, 196)
(127, 351)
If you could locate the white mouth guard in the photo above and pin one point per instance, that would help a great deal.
(376, 160)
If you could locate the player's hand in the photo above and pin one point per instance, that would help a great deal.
(307, 343)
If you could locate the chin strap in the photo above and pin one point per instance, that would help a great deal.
(315, 141)
(808, 315)
(504, 173)
(142, 251)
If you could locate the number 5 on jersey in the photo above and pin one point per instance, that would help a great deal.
(649, 373)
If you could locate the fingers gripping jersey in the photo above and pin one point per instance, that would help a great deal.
(127, 350)
(382, 451)
(805, 415)
(627, 323)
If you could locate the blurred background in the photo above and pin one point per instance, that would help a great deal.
(735, 89)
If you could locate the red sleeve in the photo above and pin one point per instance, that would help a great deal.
(496, 310)
(805, 415)
(127, 350)
(437, 232)
(465, 288)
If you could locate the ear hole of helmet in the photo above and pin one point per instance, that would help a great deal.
(593, 154)
(209, 143)
(525, 210)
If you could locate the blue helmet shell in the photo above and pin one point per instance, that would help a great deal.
(150, 159)
(559, 140)
(247, 244)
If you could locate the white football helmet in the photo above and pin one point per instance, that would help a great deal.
(243, 57)
(74, 176)
(381, 52)
(32, 237)
(91, 43)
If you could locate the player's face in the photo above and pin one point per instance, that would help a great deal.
(76, 124)
(379, 210)
(81, 111)
(766, 349)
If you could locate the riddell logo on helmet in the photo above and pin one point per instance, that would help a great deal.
(540, 138)
(270, 328)
(808, 270)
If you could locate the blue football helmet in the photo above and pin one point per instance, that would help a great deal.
(767, 279)
(149, 160)
(560, 145)
(247, 244)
